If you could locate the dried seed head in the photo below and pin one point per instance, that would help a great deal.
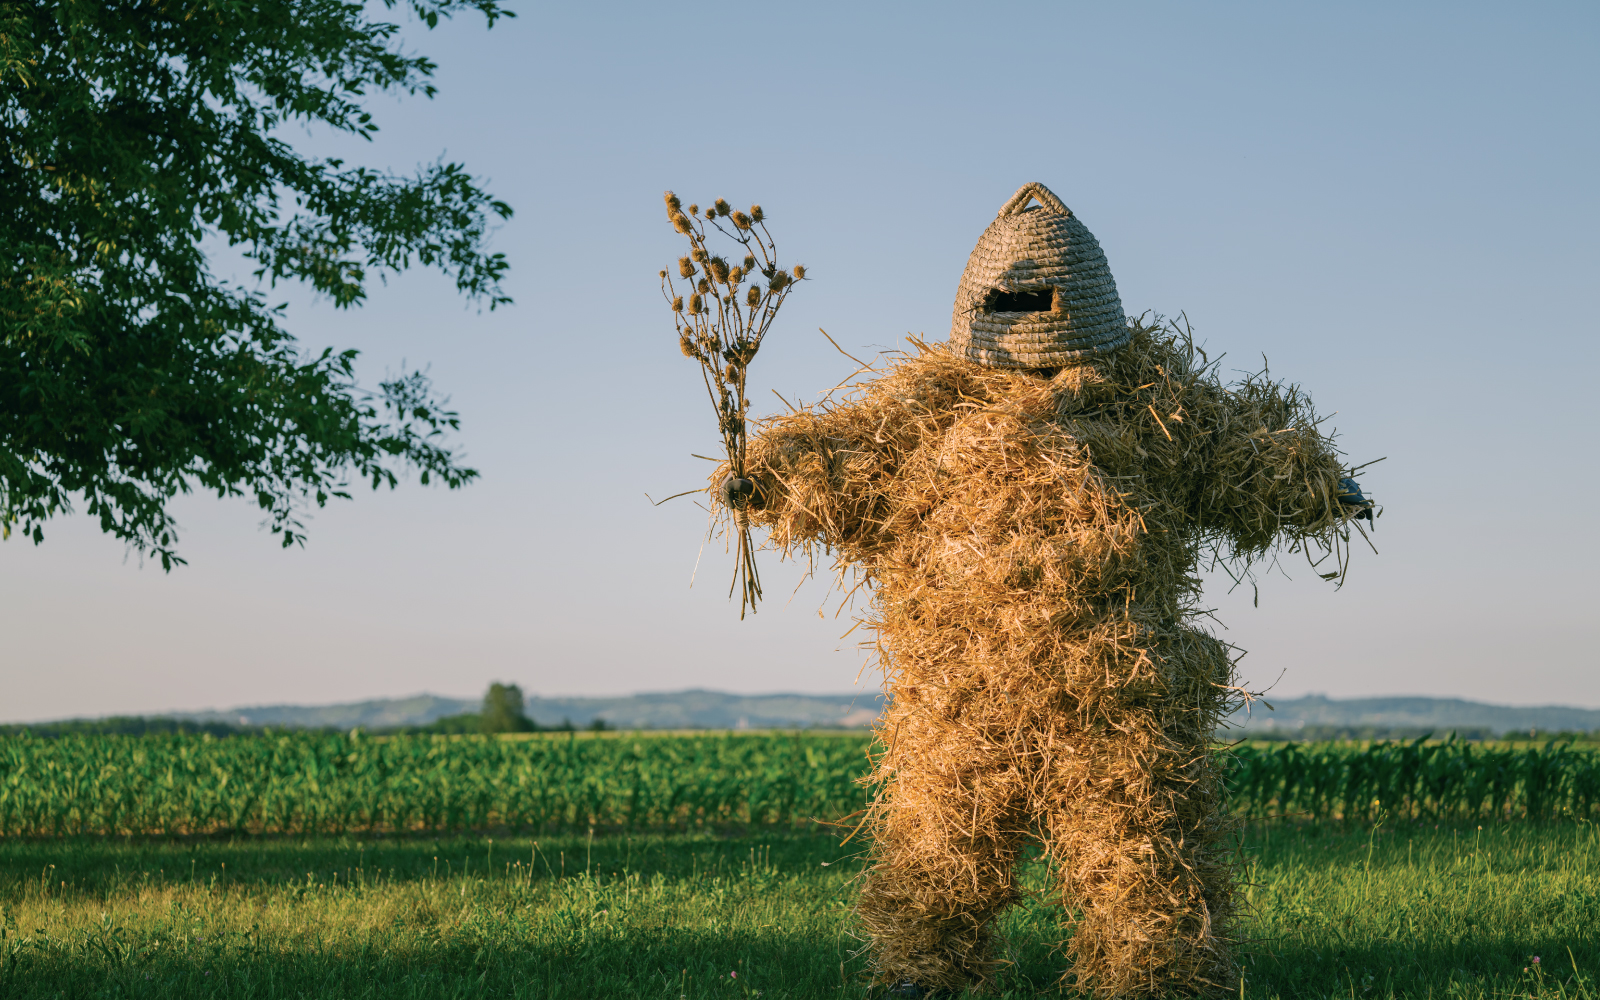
(719, 270)
(674, 206)
(711, 213)
(687, 347)
(663, 274)
(734, 276)
(694, 209)
(780, 281)
(699, 254)
(677, 304)
(721, 205)
(703, 287)
(696, 305)
(681, 223)
(755, 213)
(749, 263)
(741, 220)
(799, 270)
(685, 267)
(752, 298)
(730, 372)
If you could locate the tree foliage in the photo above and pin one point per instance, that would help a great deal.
(130, 133)
(503, 711)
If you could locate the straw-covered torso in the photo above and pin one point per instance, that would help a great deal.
(1052, 501)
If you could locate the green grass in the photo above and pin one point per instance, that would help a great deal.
(1337, 913)
(1424, 912)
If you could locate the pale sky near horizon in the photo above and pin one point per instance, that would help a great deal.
(1394, 203)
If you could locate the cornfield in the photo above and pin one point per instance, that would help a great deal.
(318, 783)
(1416, 780)
(315, 783)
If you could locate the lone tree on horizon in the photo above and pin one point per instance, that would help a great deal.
(503, 710)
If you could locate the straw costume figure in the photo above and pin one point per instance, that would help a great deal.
(1028, 505)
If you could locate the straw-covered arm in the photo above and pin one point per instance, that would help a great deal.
(820, 476)
(1271, 472)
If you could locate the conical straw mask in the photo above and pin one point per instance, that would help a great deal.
(1037, 292)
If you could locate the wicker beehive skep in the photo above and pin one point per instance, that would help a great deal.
(1047, 252)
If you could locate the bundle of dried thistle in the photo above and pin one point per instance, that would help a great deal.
(721, 318)
(1031, 541)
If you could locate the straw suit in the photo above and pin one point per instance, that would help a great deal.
(1027, 504)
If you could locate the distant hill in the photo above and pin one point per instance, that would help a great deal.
(1396, 716)
(697, 709)
(1313, 716)
(380, 713)
(693, 709)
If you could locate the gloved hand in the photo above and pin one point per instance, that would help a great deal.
(741, 494)
(1350, 495)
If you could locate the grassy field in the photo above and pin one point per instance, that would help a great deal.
(1338, 912)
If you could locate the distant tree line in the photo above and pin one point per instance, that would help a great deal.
(504, 711)
(1545, 736)
(123, 725)
(1476, 734)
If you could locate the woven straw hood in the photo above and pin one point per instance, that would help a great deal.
(1037, 292)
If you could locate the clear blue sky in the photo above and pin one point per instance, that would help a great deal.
(1396, 204)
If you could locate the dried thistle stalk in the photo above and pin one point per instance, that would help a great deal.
(721, 320)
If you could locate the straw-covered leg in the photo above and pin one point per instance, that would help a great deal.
(1117, 778)
(1140, 841)
(946, 839)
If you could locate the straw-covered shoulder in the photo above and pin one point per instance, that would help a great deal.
(834, 474)
(1248, 463)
